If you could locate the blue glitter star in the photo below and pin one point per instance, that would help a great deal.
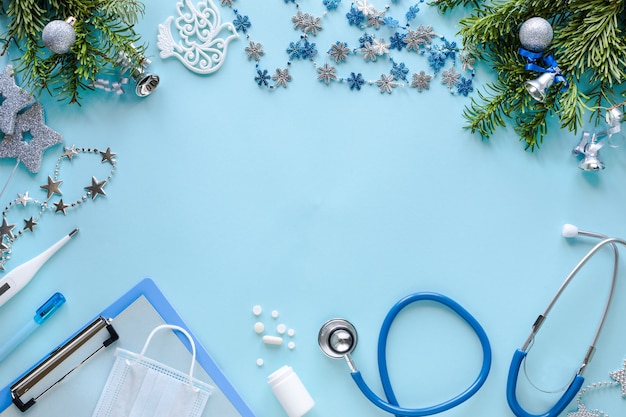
(355, 81)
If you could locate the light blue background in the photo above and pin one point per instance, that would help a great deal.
(319, 202)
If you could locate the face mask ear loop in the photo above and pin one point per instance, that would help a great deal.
(191, 342)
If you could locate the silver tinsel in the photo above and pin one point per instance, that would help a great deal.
(536, 34)
(59, 36)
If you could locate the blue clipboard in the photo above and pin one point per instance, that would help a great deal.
(134, 315)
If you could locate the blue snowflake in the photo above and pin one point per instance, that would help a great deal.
(262, 78)
(366, 39)
(331, 4)
(450, 48)
(390, 22)
(437, 57)
(355, 81)
(464, 86)
(293, 51)
(307, 49)
(412, 12)
(399, 71)
(397, 41)
(355, 17)
(241, 23)
(290, 1)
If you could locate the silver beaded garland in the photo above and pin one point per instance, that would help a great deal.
(59, 35)
(536, 34)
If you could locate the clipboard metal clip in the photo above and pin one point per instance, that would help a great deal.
(44, 376)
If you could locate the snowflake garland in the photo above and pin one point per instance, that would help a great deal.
(419, 39)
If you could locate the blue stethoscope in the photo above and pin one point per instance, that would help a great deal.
(338, 338)
(520, 354)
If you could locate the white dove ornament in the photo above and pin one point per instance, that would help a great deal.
(199, 48)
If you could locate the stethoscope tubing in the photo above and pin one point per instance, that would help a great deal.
(391, 405)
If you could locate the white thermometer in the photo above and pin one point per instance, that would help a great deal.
(21, 275)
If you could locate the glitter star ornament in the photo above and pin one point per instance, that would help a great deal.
(41, 138)
(13, 100)
(620, 376)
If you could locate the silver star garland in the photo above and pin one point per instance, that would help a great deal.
(52, 188)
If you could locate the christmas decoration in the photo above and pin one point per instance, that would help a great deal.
(64, 55)
(588, 39)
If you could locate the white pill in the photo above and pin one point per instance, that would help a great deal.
(281, 328)
(291, 332)
(275, 314)
(259, 327)
(291, 345)
(257, 310)
(272, 340)
(259, 362)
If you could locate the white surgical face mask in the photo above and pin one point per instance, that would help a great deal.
(141, 387)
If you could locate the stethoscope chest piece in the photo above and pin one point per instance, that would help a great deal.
(337, 338)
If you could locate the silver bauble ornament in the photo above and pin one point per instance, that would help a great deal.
(536, 34)
(59, 36)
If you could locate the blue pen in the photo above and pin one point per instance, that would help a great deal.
(43, 313)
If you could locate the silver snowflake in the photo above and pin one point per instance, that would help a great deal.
(281, 77)
(467, 61)
(386, 83)
(421, 81)
(228, 3)
(254, 50)
(380, 46)
(375, 21)
(339, 52)
(313, 25)
(418, 37)
(450, 78)
(326, 73)
(299, 20)
(366, 8)
(368, 51)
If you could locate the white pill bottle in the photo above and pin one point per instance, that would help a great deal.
(290, 392)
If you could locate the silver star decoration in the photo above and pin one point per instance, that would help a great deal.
(69, 152)
(281, 77)
(421, 81)
(52, 187)
(60, 206)
(6, 229)
(14, 100)
(418, 37)
(386, 83)
(254, 51)
(326, 73)
(620, 376)
(29, 153)
(108, 156)
(96, 187)
(339, 51)
(450, 77)
(23, 199)
(30, 224)
(368, 51)
(583, 412)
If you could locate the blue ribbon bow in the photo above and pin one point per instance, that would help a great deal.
(549, 61)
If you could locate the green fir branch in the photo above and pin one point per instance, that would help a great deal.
(104, 32)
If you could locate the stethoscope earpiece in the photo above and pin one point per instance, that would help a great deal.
(337, 338)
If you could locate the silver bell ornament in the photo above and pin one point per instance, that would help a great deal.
(145, 82)
(589, 149)
(536, 34)
(59, 35)
(538, 88)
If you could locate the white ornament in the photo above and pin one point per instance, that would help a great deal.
(199, 47)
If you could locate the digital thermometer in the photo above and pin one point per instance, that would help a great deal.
(21, 275)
